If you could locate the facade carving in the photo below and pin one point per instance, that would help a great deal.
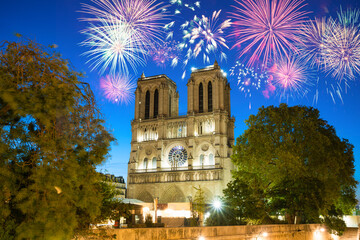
(179, 152)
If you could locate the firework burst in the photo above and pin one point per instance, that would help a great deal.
(118, 89)
(112, 45)
(267, 28)
(121, 32)
(313, 45)
(289, 76)
(342, 51)
(204, 36)
(165, 53)
(248, 79)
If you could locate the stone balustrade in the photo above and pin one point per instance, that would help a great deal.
(182, 174)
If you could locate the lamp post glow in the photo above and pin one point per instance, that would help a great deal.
(217, 204)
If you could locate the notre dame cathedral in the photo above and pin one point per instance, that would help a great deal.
(172, 154)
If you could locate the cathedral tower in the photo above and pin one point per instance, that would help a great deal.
(171, 154)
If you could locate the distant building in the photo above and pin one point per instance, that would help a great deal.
(170, 154)
(118, 182)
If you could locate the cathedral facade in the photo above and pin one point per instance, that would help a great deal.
(172, 154)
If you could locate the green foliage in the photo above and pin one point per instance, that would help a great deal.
(291, 162)
(112, 208)
(51, 140)
(199, 201)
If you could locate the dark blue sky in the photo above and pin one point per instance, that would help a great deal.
(56, 22)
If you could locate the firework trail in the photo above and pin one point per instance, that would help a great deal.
(112, 45)
(204, 36)
(165, 53)
(118, 89)
(349, 18)
(290, 77)
(267, 28)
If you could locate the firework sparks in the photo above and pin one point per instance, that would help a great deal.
(248, 79)
(180, 7)
(166, 53)
(342, 51)
(267, 28)
(119, 89)
(112, 45)
(313, 45)
(290, 77)
(349, 18)
(205, 35)
(143, 18)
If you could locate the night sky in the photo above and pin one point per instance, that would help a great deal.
(57, 22)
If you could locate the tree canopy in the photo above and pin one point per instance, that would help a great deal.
(291, 162)
(52, 138)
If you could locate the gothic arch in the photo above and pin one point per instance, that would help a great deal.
(145, 196)
(208, 194)
(210, 97)
(156, 103)
(172, 194)
(201, 97)
(147, 104)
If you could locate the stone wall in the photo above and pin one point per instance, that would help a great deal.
(259, 232)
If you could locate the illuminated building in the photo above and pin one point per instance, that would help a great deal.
(170, 154)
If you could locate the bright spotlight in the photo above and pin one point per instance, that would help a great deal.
(322, 229)
(201, 238)
(265, 234)
(217, 204)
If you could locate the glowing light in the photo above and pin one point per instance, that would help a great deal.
(322, 229)
(201, 238)
(267, 28)
(265, 234)
(118, 89)
(217, 204)
(146, 209)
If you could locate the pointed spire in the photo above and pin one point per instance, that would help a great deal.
(216, 65)
(143, 75)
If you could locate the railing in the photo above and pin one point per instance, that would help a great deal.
(187, 168)
(206, 173)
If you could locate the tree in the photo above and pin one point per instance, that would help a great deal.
(52, 138)
(199, 205)
(295, 165)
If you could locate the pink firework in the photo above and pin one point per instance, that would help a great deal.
(118, 89)
(267, 28)
(290, 77)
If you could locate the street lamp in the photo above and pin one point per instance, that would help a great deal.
(217, 204)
